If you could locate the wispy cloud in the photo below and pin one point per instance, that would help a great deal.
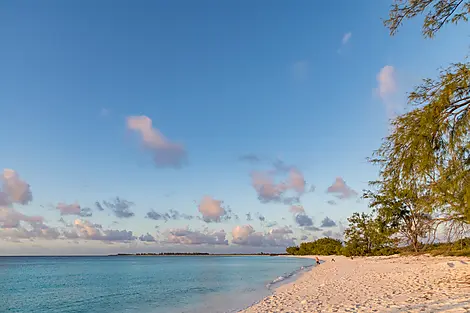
(105, 112)
(245, 235)
(170, 215)
(250, 158)
(344, 41)
(387, 89)
(190, 237)
(73, 209)
(165, 152)
(346, 38)
(120, 207)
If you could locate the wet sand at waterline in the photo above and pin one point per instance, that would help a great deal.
(376, 284)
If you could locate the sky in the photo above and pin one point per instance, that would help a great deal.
(209, 126)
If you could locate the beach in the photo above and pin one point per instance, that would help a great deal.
(376, 284)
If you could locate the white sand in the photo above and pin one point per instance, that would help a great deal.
(376, 284)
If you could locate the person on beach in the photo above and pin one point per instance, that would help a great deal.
(318, 260)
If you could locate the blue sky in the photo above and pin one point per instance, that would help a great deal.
(308, 84)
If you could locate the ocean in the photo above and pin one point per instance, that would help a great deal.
(131, 284)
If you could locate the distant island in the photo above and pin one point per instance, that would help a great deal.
(197, 254)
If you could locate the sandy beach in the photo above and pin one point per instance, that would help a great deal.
(376, 284)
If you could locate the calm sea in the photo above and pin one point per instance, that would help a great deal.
(170, 284)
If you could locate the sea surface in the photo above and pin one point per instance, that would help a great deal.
(161, 284)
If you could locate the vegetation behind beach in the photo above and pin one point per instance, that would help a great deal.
(421, 199)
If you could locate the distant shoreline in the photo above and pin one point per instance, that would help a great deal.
(142, 255)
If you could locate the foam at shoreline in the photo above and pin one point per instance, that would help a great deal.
(287, 277)
(380, 284)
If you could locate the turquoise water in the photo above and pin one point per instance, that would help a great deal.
(192, 284)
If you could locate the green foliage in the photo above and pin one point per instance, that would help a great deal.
(427, 156)
(424, 177)
(367, 235)
(322, 246)
(437, 14)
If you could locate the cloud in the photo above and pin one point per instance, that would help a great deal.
(34, 230)
(387, 88)
(10, 218)
(147, 238)
(86, 230)
(271, 224)
(250, 158)
(346, 38)
(104, 112)
(170, 215)
(98, 206)
(73, 209)
(245, 235)
(303, 220)
(295, 209)
(211, 209)
(327, 222)
(312, 228)
(166, 153)
(281, 230)
(189, 237)
(15, 190)
(341, 190)
(120, 207)
(15, 226)
(304, 237)
(260, 217)
(334, 235)
(287, 191)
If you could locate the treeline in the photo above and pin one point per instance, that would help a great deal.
(422, 194)
(330, 246)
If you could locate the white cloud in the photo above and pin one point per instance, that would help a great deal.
(346, 38)
(387, 89)
(166, 153)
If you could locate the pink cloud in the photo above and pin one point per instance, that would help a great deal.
(269, 190)
(341, 190)
(211, 209)
(15, 189)
(166, 153)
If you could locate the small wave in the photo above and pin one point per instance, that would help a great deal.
(288, 275)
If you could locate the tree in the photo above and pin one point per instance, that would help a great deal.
(366, 234)
(426, 158)
(402, 212)
(322, 246)
(437, 14)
